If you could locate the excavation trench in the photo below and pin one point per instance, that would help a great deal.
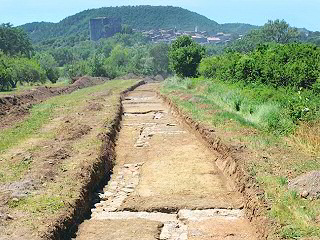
(165, 182)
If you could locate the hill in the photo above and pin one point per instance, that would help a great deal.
(138, 17)
(238, 28)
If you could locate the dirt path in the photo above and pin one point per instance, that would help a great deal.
(165, 183)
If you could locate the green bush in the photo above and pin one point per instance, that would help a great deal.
(53, 74)
(185, 56)
(295, 65)
(77, 69)
(316, 87)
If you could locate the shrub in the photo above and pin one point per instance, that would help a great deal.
(185, 56)
(294, 65)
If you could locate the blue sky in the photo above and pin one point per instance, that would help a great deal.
(299, 13)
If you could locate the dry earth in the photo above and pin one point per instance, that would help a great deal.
(165, 184)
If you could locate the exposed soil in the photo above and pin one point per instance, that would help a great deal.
(307, 185)
(165, 174)
(13, 108)
(120, 230)
(72, 129)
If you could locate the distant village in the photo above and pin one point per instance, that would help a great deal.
(170, 35)
(103, 27)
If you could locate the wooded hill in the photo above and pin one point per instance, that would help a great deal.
(138, 17)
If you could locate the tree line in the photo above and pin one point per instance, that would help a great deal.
(269, 58)
(124, 53)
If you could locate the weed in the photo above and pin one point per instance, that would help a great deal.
(307, 137)
(290, 232)
(283, 181)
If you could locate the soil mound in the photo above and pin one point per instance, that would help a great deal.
(308, 185)
(14, 107)
(95, 107)
(73, 130)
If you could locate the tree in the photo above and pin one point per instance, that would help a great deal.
(160, 60)
(14, 41)
(14, 70)
(126, 29)
(49, 65)
(272, 32)
(185, 56)
(97, 66)
(63, 56)
(279, 32)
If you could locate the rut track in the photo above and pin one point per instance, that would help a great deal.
(165, 183)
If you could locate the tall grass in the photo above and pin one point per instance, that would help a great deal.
(242, 102)
(307, 137)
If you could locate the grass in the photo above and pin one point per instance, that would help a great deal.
(39, 115)
(261, 118)
(296, 215)
(305, 137)
(38, 204)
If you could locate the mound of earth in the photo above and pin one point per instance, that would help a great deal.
(307, 184)
(14, 107)
(71, 130)
(94, 106)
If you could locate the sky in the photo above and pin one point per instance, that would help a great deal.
(298, 13)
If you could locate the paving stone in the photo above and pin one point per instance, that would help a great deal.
(128, 190)
(98, 205)
(108, 194)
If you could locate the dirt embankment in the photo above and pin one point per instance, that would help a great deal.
(231, 162)
(14, 107)
(95, 177)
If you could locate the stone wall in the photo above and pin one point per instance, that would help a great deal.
(104, 27)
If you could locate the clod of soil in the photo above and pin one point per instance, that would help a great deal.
(95, 107)
(20, 189)
(72, 130)
(307, 185)
(60, 154)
